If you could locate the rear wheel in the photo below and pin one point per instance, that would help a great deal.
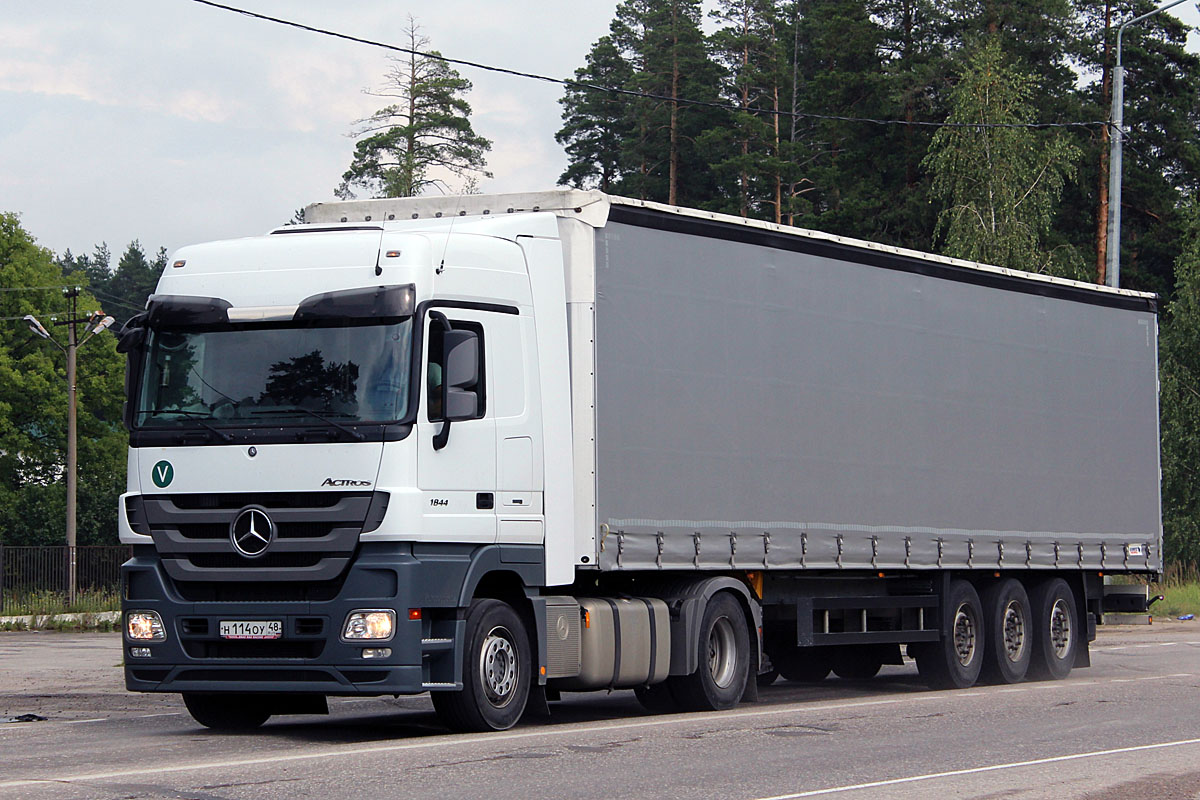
(1008, 632)
(724, 659)
(496, 672)
(227, 712)
(954, 661)
(803, 665)
(1056, 630)
(657, 699)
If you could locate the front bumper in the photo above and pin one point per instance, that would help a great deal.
(310, 657)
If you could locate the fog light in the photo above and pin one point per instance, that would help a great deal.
(139, 652)
(377, 652)
(144, 625)
(378, 624)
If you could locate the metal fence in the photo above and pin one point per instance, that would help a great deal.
(45, 571)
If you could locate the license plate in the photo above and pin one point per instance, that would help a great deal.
(251, 629)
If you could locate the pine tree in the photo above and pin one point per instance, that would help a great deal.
(1162, 147)
(662, 41)
(596, 123)
(999, 186)
(1179, 353)
(748, 156)
(413, 144)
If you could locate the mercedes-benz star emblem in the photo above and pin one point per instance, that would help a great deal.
(252, 532)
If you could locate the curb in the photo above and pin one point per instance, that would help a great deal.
(41, 620)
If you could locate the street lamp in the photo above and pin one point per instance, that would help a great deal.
(96, 322)
(1113, 255)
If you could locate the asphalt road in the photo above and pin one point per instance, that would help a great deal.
(1128, 727)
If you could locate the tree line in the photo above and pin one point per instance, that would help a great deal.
(33, 392)
(764, 117)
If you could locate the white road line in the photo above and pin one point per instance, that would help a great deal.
(163, 714)
(977, 770)
(81, 721)
(554, 732)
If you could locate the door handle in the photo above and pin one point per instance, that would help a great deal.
(485, 500)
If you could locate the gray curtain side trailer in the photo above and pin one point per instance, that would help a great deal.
(771, 452)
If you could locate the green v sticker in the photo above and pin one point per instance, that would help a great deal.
(162, 474)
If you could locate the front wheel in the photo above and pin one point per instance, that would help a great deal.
(227, 712)
(724, 659)
(496, 672)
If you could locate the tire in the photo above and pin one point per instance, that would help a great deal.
(227, 712)
(1056, 630)
(657, 699)
(497, 672)
(954, 662)
(1008, 633)
(767, 677)
(857, 663)
(723, 659)
(803, 665)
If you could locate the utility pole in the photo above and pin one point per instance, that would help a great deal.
(1113, 265)
(93, 324)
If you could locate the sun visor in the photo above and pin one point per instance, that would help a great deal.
(180, 311)
(370, 302)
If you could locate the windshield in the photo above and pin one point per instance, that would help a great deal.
(264, 375)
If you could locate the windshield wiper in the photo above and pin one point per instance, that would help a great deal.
(222, 435)
(355, 434)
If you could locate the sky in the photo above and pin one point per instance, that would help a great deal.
(171, 122)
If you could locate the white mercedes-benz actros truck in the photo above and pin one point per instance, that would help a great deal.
(498, 447)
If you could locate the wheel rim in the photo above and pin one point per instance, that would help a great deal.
(1014, 631)
(1060, 628)
(722, 652)
(964, 635)
(498, 667)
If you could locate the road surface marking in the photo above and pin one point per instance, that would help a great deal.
(81, 721)
(977, 770)
(569, 730)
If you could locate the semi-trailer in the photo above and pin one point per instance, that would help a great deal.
(497, 447)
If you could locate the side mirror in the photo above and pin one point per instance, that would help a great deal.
(460, 381)
(132, 334)
(462, 375)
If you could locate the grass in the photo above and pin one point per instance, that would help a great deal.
(1181, 592)
(46, 603)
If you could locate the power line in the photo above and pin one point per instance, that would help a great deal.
(107, 298)
(631, 93)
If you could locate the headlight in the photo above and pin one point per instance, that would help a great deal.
(376, 625)
(144, 626)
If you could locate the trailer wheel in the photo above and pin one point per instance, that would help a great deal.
(496, 672)
(803, 665)
(724, 659)
(227, 712)
(1055, 630)
(857, 663)
(954, 661)
(1007, 632)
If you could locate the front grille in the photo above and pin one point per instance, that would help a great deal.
(316, 534)
(193, 626)
(310, 626)
(267, 649)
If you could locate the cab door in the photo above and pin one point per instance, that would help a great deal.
(457, 481)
